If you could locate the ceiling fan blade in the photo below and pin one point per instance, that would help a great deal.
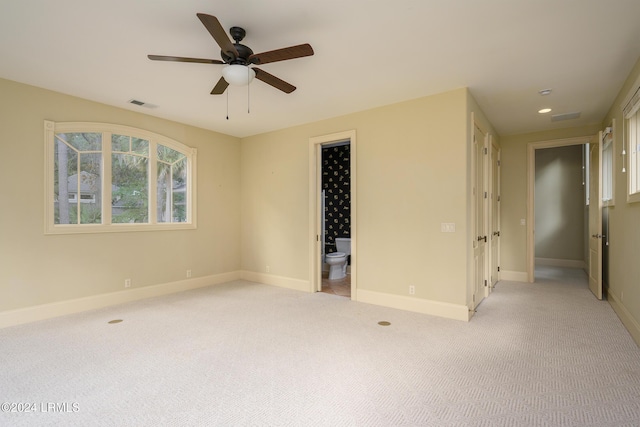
(220, 87)
(283, 54)
(272, 80)
(212, 25)
(182, 59)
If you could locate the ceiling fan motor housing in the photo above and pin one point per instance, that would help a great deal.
(243, 53)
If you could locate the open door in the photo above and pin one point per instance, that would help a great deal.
(595, 216)
(494, 214)
(480, 240)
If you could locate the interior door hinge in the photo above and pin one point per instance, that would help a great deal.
(485, 150)
(498, 268)
(498, 162)
(498, 197)
(485, 194)
(485, 283)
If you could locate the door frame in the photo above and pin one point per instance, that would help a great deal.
(315, 203)
(595, 224)
(531, 178)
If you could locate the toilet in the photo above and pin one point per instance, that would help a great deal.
(338, 261)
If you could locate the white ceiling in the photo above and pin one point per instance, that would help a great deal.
(368, 53)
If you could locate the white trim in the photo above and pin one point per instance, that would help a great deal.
(531, 171)
(513, 276)
(280, 281)
(315, 191)
(557, 262)
(77, 305)
(634, 89)
(418, 305)
(627, 318)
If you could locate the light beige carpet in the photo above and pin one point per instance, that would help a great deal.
(244, 354)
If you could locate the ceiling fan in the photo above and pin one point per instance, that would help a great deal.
(239, 58)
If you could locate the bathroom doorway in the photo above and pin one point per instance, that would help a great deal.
(332, 214)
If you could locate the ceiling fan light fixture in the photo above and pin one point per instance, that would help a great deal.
(238, 75)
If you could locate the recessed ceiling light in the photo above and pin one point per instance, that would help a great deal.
(544, 92)
(544, 110)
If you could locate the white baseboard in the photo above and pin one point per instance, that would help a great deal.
(418, 305)
(514, 276)
(555, 262)
(627, 319)
(281, 281)
(61, 308)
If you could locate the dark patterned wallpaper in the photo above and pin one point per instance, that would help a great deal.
(336, 182)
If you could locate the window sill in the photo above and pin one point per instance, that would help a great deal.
(115, 228)
(633, 198)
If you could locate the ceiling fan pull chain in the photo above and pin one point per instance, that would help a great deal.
(227, 105)
(248, 92)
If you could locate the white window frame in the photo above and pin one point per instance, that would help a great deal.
(608, 165)
(586, 171)
(631, 143)
(50, 130)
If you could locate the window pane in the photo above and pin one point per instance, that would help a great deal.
(140, 146)
(172, 185)
(90, 189)
(121, 143)
(164, 193)
(83, 141)
(179, 190)
(65, 179)
(130, 189)
(169, 155)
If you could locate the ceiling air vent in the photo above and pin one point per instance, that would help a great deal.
(565, 116)
(141, 103)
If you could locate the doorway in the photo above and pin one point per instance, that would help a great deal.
(331, 189)
(547, 209)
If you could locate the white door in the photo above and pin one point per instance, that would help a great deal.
(595, 216)
(494, 215)
(480, 214)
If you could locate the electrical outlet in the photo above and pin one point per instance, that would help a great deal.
(188, 273)
(448, 227)
(412, 290)
(127, 283)
(268, 269)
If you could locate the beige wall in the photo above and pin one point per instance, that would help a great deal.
(513, 251)
(559, 203)
(37, 269)
(411, 176)
(253, 198)
(624, 228)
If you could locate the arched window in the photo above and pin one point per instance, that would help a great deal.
(103, 178)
